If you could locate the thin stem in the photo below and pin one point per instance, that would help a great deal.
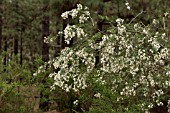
(136, 17)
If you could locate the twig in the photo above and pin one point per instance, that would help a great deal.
(136, 16)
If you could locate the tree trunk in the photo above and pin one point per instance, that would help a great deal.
(15, 46)
(5, 50)
(58, 40)
(45, 57)
(16, 25)
(45, 33)
(21, 48)
(0, 26)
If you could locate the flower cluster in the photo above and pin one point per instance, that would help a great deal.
(71, 31)
(75, 102)
(127, 5)
(133, 57)
(70, 76)
(168, 106)
(83, 13)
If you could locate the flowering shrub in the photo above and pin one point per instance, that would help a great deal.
(133, 73)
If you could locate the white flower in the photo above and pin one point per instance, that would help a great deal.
(160, 104)
(155, 22)
(65, 15)
(98, 95)
(60, 32)
(79, 7)
(145, 31)
(119, 21)
(121, 29)
(74, 13)
(75, 102)
(34, 74)
(46, 40)
(80, 32)
(163, 35)
(127, 5)
(87, 13)
(83, 18)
